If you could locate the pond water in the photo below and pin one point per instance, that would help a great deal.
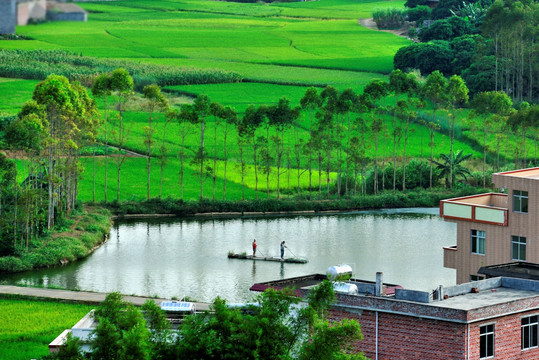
(172, 257)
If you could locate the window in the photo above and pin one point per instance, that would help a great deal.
(518, 248)
(476, 277)
(520, 201)
(486, 341)
(529, 332)
(478, 242)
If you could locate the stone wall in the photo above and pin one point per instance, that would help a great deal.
(7, 16)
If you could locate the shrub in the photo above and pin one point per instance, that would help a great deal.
(446, 29)
(12, 264)
(390, 18)
(419, 13)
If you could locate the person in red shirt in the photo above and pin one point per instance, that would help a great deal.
(254, 247)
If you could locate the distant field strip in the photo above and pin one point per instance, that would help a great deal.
(209, 33)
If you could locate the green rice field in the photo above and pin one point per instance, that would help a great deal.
(28, 326)
(279, 50)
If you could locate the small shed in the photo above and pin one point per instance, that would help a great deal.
(57, 11)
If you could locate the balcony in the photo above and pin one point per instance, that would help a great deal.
(488, 208)
(450, 257)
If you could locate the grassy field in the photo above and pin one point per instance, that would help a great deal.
(214, 32)
(14, 93)
(279, 49)
(28, 326)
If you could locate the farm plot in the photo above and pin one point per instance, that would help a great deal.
(197, 31)
(28, 326)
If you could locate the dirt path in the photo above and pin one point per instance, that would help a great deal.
(370, 24)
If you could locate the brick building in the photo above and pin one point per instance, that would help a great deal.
(495, 228)
(494, 318)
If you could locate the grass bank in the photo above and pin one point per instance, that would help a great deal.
(169, 206)
(73, 238)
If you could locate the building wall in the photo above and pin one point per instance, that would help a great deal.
(7, 16)
(403, 337)
(31, 10)
(406, 337)
(498, 248)
(507, 339)
(23, 13)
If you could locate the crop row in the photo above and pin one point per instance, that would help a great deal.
(38, 64)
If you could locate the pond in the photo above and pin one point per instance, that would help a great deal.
(171, 257)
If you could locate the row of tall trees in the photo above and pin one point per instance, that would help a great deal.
(49, 130)
(342, 128)
(513, 27)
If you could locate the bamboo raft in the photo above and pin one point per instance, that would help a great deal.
(264, 258)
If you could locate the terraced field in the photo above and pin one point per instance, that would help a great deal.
(278, 49)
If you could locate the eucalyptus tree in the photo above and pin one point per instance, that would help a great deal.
(102, 88)
(231, 119)
(485, 105)
(527, 117)
(401, 83)
(362, 128)
(156, 101)
(163, 149)
(121, 84)
(218, 112)
(326, 123)
(196, 113)
(434, 90)
(29, 133)
(311, 101)
(185, 128)
(281, 118)
(346, 103)
(457, 95)
(85, 131)
(250, 123)
(8, 205)
(376, 90)
(68, 111)
(317, 141)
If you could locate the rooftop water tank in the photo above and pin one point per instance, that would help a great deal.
(339, 272)
(345, 288)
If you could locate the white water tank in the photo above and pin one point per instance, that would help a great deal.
(339, 272)
(345, 288)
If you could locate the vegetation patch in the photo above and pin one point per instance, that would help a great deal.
(89, 229)
(39, 64)
(27, 326)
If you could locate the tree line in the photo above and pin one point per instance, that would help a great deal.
(339, 143)
(277, 326)
(490, 44)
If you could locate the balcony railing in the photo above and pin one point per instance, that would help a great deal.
(488, 208)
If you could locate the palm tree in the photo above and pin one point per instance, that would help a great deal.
(458, 169)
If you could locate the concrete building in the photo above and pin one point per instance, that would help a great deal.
(7, 16)
(35, 10)
(495, 228)
(494, 318)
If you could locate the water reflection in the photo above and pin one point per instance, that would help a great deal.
(171, 257)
